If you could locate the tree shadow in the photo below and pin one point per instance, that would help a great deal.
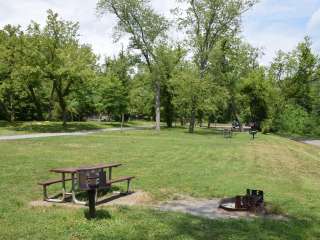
(186, 226)
(191, 227)
(56, 127)
(101, 214)
(9, 124)
(207, 132)
(102, 194)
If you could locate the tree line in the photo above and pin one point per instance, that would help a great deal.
(213, 75)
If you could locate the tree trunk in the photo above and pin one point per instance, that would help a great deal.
(64, 118)
(36, 103)
(3, 108)
(122, 120)
(157, 105)
(235, 114)
(63, 108)
(192, 120)
(182, 121)
(51, 102)
(168, 107)
(209, 123)
(12, 113)
(193, 116)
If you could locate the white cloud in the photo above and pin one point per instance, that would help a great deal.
(275, 25)
(314, 21)
(314, 29)
(271, 24)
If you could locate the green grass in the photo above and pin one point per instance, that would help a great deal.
(15, 128)
(173, 162)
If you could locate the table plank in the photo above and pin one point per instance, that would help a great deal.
(74, 170)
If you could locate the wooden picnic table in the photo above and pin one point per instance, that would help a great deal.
(92, 167)
(73, 171)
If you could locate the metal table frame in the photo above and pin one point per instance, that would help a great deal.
(73, 172)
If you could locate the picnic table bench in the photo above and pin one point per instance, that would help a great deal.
(75, 178)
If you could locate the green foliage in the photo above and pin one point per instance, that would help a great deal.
(296, 75)
(146, 29)
(295, 120)
(47, 74)
(256, 93)
(168, 60)
(190, 91)
(206, 23)
(232, 60)
(141, 96)
(112, 97)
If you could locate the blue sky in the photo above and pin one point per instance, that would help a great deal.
(270, 25)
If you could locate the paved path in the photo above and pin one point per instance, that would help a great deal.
(80, 133)
(313, 142)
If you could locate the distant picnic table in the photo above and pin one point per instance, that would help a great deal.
(75, 177)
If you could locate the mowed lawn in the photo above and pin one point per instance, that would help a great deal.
(203, 165)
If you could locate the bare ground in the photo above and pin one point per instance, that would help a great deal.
(313, 142)
(207, 208)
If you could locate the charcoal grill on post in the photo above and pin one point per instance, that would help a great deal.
(253, 133)
(91, 180)
(253, 201)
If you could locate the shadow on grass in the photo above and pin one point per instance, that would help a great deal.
(56, 127)
(184, 226)
(102, 194)
(101, 214)
(207, 131)
(241, 229)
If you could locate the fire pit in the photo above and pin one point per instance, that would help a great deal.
(253, 201)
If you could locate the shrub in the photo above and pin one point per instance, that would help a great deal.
(267, 126)
(294, 120)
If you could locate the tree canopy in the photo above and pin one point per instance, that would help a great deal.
(213, 75)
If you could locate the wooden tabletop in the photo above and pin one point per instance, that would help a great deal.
(74, 170)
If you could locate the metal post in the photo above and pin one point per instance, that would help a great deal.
(73, 190)
(110, 172)
(45, 195)
(63, 186)
(128, 186)
(92, 203)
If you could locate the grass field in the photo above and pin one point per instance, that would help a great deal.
(200, 165)
(15, 128)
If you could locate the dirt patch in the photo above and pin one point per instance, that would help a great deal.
(313, 142)
(207, 208)
(134, 199)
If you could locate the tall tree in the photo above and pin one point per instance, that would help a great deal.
(206, 22)
(68, 62)
(230, 61)
(29, 68)
(145, 27)
(117, 71)
(168, 59)
(10, 48)
(141, 95)
(295, 73)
